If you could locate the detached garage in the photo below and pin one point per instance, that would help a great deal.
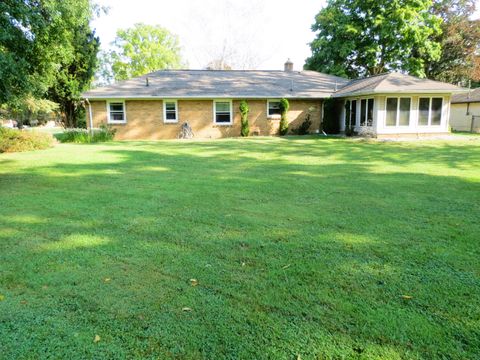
(465, 111)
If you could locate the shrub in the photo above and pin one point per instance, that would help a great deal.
(13, 140)
(304, 128)
(84, 136)
(244, 109)
(284, 105)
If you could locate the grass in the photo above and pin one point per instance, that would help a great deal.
(318, 248)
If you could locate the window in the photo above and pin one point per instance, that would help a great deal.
(423, 111)
(436, 117)
(363, 112)
(351, 113)
(116, 112)
(392, 105)
(430, 111)
(404, 116)
(398, 111)
(370, 112)
(274, 108)
(366, 112)
(170, 111)
(222, 112)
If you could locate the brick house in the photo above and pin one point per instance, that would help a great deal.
(155, 105)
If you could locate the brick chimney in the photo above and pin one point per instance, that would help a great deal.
(288, 65)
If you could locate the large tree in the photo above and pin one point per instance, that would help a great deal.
(460, 39)
(76, 71)
(368, 37)
(143, 49)
(46, 49)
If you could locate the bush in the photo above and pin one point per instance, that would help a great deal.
(13, 140)
(284, 105)
(244, 118)
(84, 136)
(304, 128)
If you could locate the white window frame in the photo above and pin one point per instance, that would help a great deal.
(359, 102)
(430, 100)
(113, 101)
(397, 120)
(170, 121)
(273, 116)
(215, 112)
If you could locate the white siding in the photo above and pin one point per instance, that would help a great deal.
(460, 121)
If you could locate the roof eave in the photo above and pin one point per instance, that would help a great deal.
(380, 92)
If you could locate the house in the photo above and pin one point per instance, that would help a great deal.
(465, 111)
(155, 105)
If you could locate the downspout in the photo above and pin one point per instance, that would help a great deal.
(90, 116)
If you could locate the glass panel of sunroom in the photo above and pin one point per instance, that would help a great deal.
(404, 119)
(391, 119)
(423, 108)
(436, 111)
(363, 112)
(370, 112)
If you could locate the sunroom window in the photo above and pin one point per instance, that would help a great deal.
(398, 111)
(430, 111)
(366, 112)
(223, 112)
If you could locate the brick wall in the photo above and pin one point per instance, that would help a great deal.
(145, 118)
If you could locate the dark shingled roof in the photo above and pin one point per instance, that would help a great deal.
(394, 83)
(223, 84)
(469, 96)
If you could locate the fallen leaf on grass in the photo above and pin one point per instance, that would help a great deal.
(193, 282)
(407, 297)
(186, 309)
(97, 339)
(286, 266)
(2, 297)
(23, 302)
(107, 280)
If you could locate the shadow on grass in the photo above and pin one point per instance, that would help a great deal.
(300, 246)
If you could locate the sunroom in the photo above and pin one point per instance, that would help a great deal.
(395, 104)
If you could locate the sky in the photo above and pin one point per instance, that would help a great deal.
(259, 34)
(250, 34)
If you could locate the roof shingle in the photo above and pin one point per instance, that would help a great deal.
(223, 84)
(394, 83)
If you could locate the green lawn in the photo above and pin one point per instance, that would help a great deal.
(302, 247)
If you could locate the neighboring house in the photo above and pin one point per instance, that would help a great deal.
(155, 105)
(465, 111)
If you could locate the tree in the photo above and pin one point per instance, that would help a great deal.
(284, 106)
(77, 70)
(368, 37)
(76, 75)
(143, 49)
(47, 49)
(244, 110)
(460, 39)
(218, 64)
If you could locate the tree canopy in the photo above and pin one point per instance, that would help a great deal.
(47, 49)
(143, 49)
(460, 39)
(368, 37)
